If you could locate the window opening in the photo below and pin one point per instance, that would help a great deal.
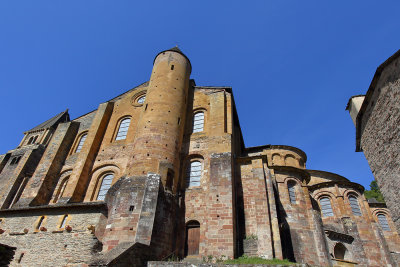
(61, 189)
(141, 99)
(383, 222)
(292, 192)
(81, 142)
(40, 223)
(131, 208)
(172, 67)
(355, 208)
(105, 185)
(30, 140)
(340, 251)
(15, 160)
(21, 188)
(326, 207)
(123, 129)
(170, 180)
(193, 174)
(198, 122)
(64, 221)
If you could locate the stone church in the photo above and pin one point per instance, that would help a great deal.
(162, 171)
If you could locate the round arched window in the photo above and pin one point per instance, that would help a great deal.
(105, 185)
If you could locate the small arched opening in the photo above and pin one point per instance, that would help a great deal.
(340, 251)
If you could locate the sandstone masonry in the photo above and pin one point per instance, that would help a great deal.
(162, 172)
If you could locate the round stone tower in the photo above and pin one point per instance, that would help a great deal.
(160, 128)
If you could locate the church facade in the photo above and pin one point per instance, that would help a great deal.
(162, 171)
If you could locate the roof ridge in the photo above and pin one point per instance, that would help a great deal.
(50, 122)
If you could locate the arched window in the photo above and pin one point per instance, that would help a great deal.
(383, 222)
(123, 129)
(15, 160)
(193, 174)
(326, 207)
(61, 190)
(18, 193)
(105, 185)
(292, 193)
(34, 139)
(30, 140)
(198, 122)
(81, 142)
(355, 208)
(340, 251)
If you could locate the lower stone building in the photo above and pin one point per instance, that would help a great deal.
(162, 171)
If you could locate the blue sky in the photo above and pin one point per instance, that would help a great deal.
(292, 64)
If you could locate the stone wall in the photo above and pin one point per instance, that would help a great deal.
(50, 245)
(380, 139)
(188, 264)
(256, 209)
(297, 215)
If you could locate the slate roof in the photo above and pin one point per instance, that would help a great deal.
(61, 117)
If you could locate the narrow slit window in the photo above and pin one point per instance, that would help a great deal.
(383, 222)
(40, 223)
(355, 208)
(172, 67)
(105, 185)
(326, 207)
(292, 192)
(198, 122)
(193, 174)
(80, 144)
(123, 129)
(64, 221)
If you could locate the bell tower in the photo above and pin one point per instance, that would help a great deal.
(160, 128)
(140, 201)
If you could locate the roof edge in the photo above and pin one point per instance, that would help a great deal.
(369, 94)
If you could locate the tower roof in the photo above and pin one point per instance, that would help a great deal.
(177, 50)
(61, 117)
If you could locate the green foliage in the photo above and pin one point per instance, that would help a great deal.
(173, 257)
(374, 192)
(256, 260)
(252, 236)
